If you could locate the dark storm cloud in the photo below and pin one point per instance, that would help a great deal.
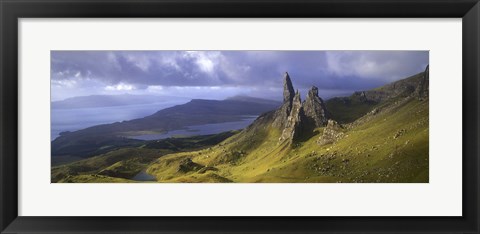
(254, 70)
(137, 68)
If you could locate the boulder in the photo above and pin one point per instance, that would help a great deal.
(332, 132)
(187, 165)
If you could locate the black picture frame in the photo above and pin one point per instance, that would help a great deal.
(11, 11)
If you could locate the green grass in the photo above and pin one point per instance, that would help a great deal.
(390, 146)
(127, 162)
(94, 179)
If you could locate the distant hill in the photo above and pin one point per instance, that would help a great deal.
(103, 138)
(253, 99)
(107, 100)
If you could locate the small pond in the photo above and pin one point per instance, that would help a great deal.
(144, 176)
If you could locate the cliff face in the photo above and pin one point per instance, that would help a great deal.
(422, 88)
(295, 118)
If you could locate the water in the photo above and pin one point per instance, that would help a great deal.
(204, 129)
(80, 118)
(144, 176)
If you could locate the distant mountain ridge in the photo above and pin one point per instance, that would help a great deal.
(253, 99)
(109, 100)
(92, 140)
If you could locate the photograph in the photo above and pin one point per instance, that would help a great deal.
(239, 116)
(311, 116)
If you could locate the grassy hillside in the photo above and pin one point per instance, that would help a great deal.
(387, 145)
(123, 164)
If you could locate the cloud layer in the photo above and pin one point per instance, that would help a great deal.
(219, 74)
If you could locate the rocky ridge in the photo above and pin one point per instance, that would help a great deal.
(297, 120)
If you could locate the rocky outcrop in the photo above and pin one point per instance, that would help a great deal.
(314, 108)
(296, 119)
(187, 165)
(331, 133)
(422, 89)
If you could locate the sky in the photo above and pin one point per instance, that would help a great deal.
(223, 74)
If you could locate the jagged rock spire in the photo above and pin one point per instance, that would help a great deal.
(288, 91)
(296, 119)
(281, 115)
(315, 109)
